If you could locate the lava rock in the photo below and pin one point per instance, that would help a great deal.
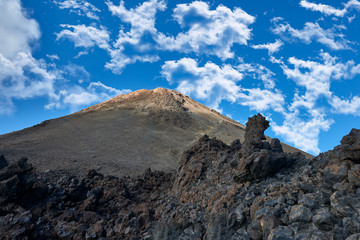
(336, 172)
(354, 237)
(281, 233)
(300, 213)
(262, 164)
(236, 145)
(352, 138)
(276, 145)
(324, 220)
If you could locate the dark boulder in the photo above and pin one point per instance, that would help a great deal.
(262, 164)
(352, 138)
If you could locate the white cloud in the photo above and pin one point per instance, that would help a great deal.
(16, 61)
(316, 77)
(261, 99)
(353, 4)
(271, 47)
(16, 83)
(142, 25)
(332, 38)
(141, 18)
(110, 90)
(77, 97)
(16, 30)
(323, 8)
(213, 83)
(305, 118)
(80, 7)
(304, 134)
(120, 60)
(85, 36)
(211, 32)
(329, 10)
(257, 71)
(346, 106)
(350, 19)
(82, 53)
(22, 76)
(52, 56)
(90, 36)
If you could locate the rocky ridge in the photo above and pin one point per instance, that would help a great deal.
(245, 190)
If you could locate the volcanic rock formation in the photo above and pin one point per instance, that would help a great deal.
(237, 191)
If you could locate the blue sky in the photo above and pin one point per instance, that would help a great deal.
(297, 62)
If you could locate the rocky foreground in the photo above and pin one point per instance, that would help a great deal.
(248, 190)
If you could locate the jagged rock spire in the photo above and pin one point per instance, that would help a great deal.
(254, 134)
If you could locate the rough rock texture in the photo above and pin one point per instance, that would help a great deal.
(249, 190)
(254, 134)
(260, 158)
(58, 206)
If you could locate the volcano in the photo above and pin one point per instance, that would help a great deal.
(123, 136)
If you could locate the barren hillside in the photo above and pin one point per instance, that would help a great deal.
(124, 135)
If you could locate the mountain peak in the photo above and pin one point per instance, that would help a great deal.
(124, 135)
(157, 99)
(142, 99)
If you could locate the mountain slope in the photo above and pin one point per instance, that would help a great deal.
(124, 135)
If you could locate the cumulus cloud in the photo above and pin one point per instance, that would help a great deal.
(16, 61)
(211, 32)
(204, 31)
(132, 45)
(139, 40)
(261, 99)
(346, 106)
(16, 83)
(77, 97)
(80, 7)
(16, 30)
(79, 94)
(22, 76)
(258, 71)
(210, 82)
(141, 18)
(85, 36)
(271, 47)
(332, 38)
(303, 133)
(329, 10)
(314, 79)
(213, 83)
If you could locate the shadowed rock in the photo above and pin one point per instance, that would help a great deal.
(260, 158)
(254, 134)
(3, 162)
(352, 138)
(15, 179)
(199, 201)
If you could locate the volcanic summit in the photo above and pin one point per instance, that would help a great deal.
(122, 136)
